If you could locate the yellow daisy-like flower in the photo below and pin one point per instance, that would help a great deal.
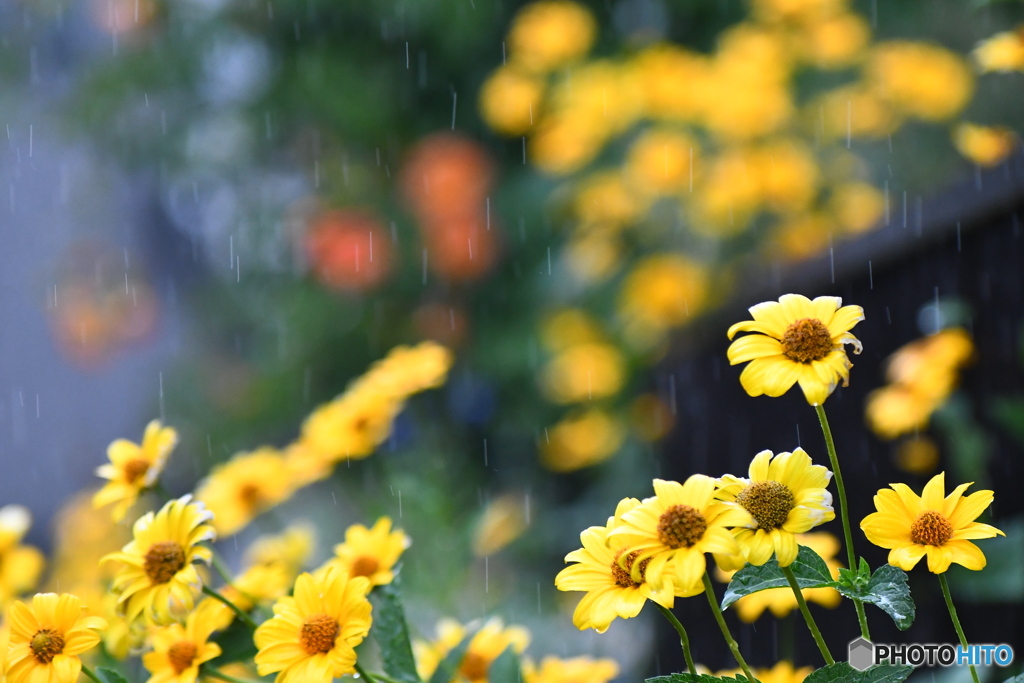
(47, 637)
(604, 569)
(557, 670)
(134, 467)
(369, 552)
(312, 636)
(290, 549)
(159, 580)
(352, 425)
(797, 341)
(940, 527)
(785, 495)
(484, 647)
(673, 530)
(503, 521)
(20, 565)
(178, 650)
(245, 486)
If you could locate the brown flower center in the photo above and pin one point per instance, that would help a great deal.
(930, 528)
(46, 644)
(622, 569)
(474, 666)
(365, 566)
(681, 526)
(768, 502)
(135, 469)
(181, 655)
(318, 634)
(251, 496)
(806, 340)
(163, 561)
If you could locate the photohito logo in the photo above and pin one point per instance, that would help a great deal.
(863, 653)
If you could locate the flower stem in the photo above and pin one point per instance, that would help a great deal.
(214, 673)
(246, 619)
(807, 615)
(683, 638)
(844, 513)
(956, 620)
(362, 674)
(733, 647)
(220, 568)
(89, 674)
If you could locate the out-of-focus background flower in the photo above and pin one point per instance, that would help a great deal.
(219, 212)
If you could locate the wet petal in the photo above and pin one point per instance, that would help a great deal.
(752, 346)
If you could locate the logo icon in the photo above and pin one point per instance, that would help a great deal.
(862, 654)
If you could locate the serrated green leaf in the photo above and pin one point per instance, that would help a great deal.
(889, 591)
(445, 671)
(391, 633)
(810, 571)
(110, 676)
(505, 669)
(699, 678)
(842, 672)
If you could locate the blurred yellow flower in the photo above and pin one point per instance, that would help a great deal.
(802, 235)
(834, 42)
(799, 11)
(939, 526)
(249, 484)
(502, 522)
(660, 161)
(511, 100)
(547, 35)
(581, 440)
(796, 340)
(371, 553)
(557, 670)
(407, 370)
(158, 579)
(783, 672)
(922, 80)
(984, 145)
(663, 291)
(291, 549)
(351, 426)
(604, 198)
(134, 467)
(1002, 52)
(20, 565)
(489, 641)
(563, 144)
(660, 69)
(592, 257)
(856, 207)
(46, 638)
(584, 373)
(897, 409)
(917, 455)
(853, 110)
(569, 327)
(729, 194)
(788, 174)
(179, 650)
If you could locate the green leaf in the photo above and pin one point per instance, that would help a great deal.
(889, 591)
(110, 676)
(505, 669)
(699, 678)
(810, 571)
(445, 671)
(842, 672)
(392, 634)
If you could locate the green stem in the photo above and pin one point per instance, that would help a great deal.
(362, 673)
(89, 674)
(720, 618)
(956, 620)
(246, 619)
(214, 673)
(683, 638)
(221, 569)
(822, 647)
(844, 513)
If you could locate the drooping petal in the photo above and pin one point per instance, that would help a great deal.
(906, 557)
(753, 346)
(967, 554)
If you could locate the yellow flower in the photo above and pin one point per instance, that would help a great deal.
(663, 291)
(926, 81)
(853, 110)
(660, 69)
(660, 161)
(984, 145)
(1002, 52)
(47, 637)
(798, 11)
(237, 491)
(134, 467)
(835, 42)
(511, 100)
(546, 35)
(502, 522)
(918, 455)
(178, 650)
(797, 341)
(20, 565)
(781, 601)
(289, 549)
(800, 236)
(604, 569)
(581, 440)
(584, 373)
(856, 206)
(786, 496)
(485, 646)
(351, 426)
(158, 579)
(897, 409)
(557, 670)
(940, 527)
(569, 327)
(407, 370)
(674, 529)
(604, 199)
(371, 553)
(312, 636)
(783, 672)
